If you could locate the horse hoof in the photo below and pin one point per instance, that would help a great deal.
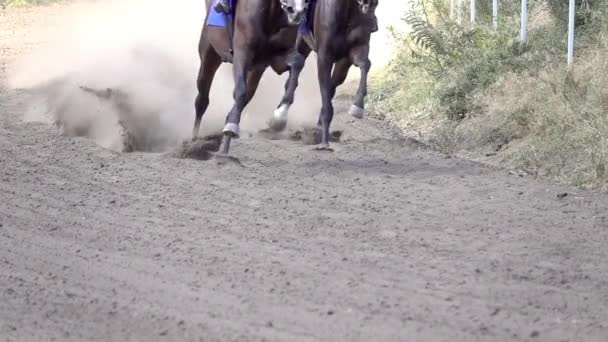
(277, 125)
(225, 159)
(278, 122)
(232, 130)
(356, 112)
(324, 148)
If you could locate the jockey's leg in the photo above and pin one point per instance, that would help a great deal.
(222, 6)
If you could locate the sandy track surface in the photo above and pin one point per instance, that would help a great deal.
(382, 240)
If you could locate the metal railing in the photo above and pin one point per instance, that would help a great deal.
(456, 9)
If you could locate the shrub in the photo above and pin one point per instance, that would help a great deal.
(23, 3)
(485, 93)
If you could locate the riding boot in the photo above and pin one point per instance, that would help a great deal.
(222, 6)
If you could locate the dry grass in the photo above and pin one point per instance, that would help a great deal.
(537, 115)
(554, 124)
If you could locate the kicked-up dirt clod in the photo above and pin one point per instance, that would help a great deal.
(200, 149)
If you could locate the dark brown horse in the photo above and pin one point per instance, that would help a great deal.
(263, 35)
(341, 35)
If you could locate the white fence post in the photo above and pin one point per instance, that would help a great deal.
(452, 9)
(495, 14)
(524, 23)
(473, 14)
(459, 11)
(571, 18)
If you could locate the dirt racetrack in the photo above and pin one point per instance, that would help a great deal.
(382, 240)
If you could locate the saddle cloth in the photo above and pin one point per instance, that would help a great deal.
(307, 26)
(220, 19)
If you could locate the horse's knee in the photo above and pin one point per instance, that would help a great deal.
(296, 61)
(359, 56)
(365, 64)
(204, 80)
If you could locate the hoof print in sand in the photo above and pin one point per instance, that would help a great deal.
(308, 136)
(213, 141)
(200, 149)
(271, 134)
(312, 136)
(323, 149)
(222, 159)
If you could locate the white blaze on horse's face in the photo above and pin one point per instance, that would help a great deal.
(367, 6)
(295, 10)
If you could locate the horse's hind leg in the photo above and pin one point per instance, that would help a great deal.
(339, 74)
(360, 57)
(210, 62)
(338, 77)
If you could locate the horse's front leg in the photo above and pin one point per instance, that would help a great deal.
(241, 67)
(360, 57)
(325, 64)
(294, 62)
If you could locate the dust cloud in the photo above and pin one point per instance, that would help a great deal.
(390, 14)
(122, 72)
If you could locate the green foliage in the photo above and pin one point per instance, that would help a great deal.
(483, 91)
(24, 3)
(585, 8)
(435, 49)
(458, 61)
